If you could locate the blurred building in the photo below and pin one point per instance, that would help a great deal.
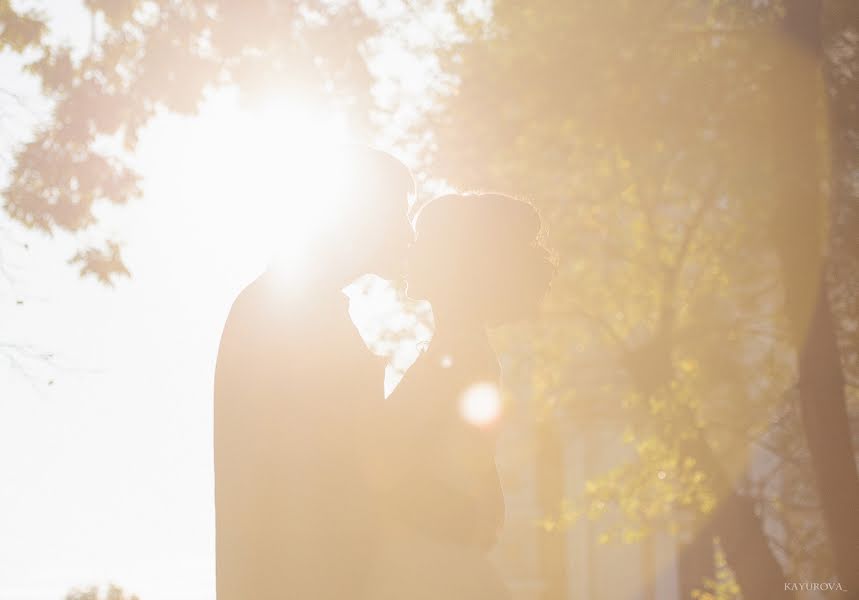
(540, 466)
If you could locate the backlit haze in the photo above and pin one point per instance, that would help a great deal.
(105, 450)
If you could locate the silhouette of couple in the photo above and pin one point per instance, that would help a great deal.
(325, 489)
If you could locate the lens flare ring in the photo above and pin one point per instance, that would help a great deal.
(480, 404)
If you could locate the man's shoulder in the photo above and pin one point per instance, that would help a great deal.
(257, 295)
(254, 314)
(261, 301)
(272, 306)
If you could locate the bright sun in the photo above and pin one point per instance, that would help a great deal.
(249, 173)
(282, 157)
(243, 180)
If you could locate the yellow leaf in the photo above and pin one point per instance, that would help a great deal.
(628, 436)
(688, 365)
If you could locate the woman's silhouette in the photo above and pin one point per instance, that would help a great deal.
(477, 260)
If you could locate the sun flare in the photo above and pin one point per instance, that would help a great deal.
(267, 171)
(258, 183)
(480, 404)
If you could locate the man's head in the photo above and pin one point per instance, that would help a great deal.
(360, 202)
(376, 188)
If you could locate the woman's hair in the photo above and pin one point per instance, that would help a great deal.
(481, 249)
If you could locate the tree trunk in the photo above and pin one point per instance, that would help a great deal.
(695, 562)
(741, 532)
(824, 416)
(822, 396)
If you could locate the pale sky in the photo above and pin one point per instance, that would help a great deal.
(106, 475)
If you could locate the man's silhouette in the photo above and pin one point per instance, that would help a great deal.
(294, 387)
